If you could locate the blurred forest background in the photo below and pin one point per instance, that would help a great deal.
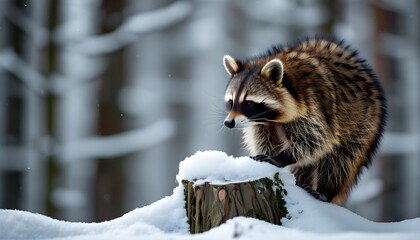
(101, 99)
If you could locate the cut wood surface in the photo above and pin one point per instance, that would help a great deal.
(208, 205)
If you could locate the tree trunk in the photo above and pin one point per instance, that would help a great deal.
(209, 205)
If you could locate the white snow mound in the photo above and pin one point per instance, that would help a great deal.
(166, 218)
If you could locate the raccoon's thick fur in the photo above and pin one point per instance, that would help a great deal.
(314, 106)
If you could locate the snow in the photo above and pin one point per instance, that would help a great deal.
(217, 167)
(166, 218)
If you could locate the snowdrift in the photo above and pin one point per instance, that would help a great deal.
(166, 218)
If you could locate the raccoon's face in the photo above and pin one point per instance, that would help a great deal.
(255, 94)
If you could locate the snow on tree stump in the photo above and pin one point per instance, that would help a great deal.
(209, 205)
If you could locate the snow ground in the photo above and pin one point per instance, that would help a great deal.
(166, 218)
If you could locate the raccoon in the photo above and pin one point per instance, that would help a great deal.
(314, 106)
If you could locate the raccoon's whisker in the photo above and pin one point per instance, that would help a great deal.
(263, 119)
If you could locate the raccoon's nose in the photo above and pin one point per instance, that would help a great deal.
(230, 123)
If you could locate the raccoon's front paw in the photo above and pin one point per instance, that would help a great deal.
(264, 158)
(314, 193)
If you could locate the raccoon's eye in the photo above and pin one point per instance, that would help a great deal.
(229, 104)
(248, 104)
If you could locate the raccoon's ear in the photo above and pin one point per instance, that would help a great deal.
(273, 70)
(232, 65)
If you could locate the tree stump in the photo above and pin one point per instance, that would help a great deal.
(209, 205)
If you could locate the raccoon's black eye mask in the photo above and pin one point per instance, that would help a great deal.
(258, 112)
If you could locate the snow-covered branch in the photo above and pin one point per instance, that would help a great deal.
(117, 144)
(37, 33)
(128, 32)
(11, 62)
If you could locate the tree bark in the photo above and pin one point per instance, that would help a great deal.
(209, 205)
